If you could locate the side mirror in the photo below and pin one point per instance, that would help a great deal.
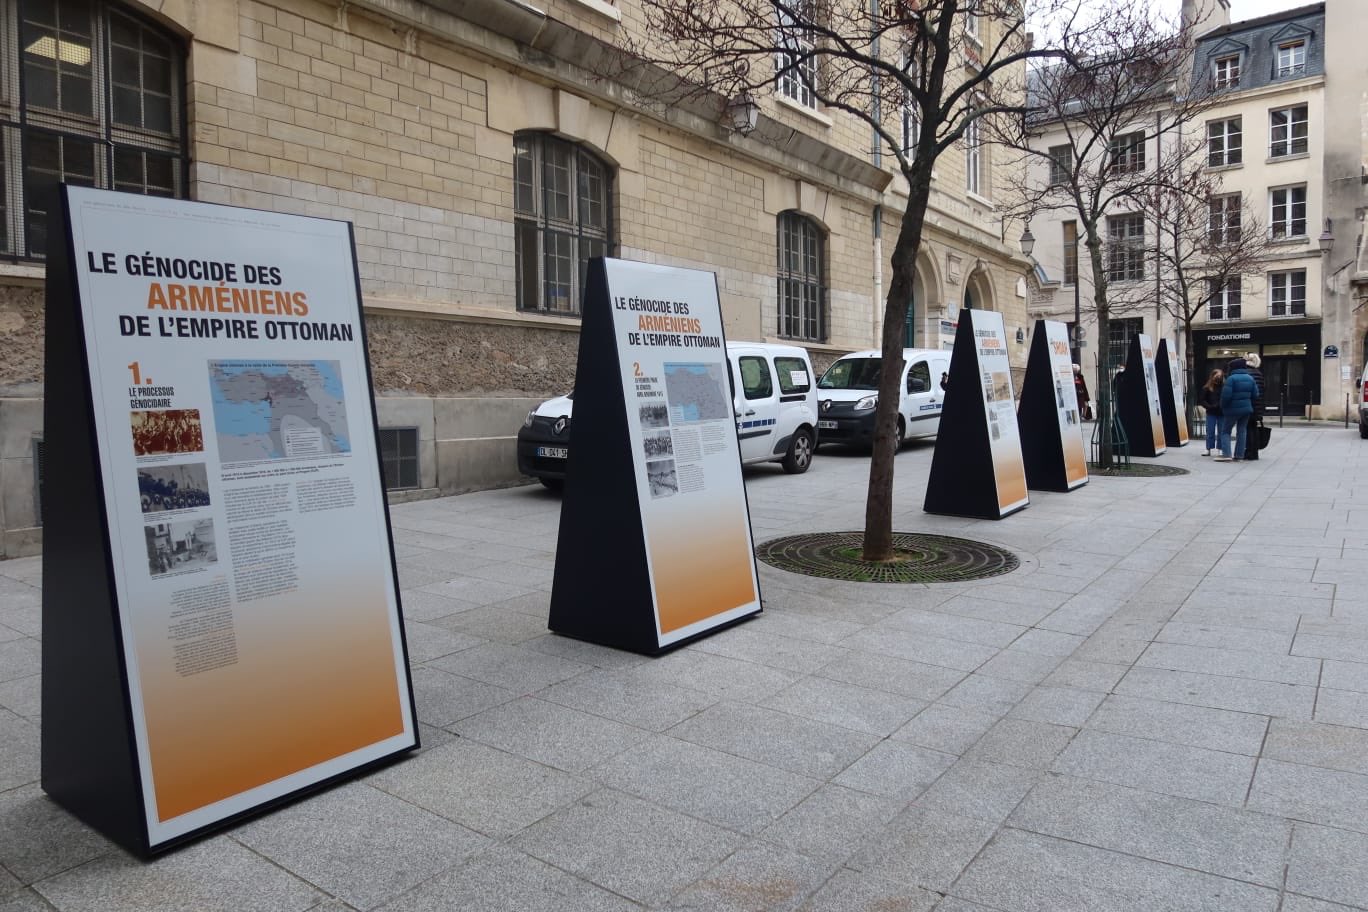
(916, 385)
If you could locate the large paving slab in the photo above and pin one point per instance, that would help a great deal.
(1164, 708)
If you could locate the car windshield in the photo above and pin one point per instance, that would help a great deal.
(851, 374)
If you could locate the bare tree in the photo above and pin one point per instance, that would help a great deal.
(1119, 104)
(919, 73)
(1206, 242)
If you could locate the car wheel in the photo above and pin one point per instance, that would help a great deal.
(799, 456)
(902, 434)
(1363, 427)
(553, 484)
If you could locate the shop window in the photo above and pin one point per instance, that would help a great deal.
(399, 458)
(1287, 131)
(1223, 299)
(1287, 293)
(1285, 350)
(802, 279)
(562, 202)
(90, 94)
(755, 378)
(1225, 143)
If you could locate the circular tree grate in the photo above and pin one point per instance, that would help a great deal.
(1135, 470)
(921, 558)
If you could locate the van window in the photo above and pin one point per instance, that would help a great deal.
(755, 377)
(851, 374)
(919, 371)
(793, 375)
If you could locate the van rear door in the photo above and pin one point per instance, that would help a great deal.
(923, 399)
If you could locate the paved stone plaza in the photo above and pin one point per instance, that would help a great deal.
(1165, 708)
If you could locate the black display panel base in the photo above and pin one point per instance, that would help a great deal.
(1042, 445)
(1133, 403)
(1168, 405)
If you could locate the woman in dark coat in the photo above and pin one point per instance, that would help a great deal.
(1081, 391)
(1237, 404)
(1211, 404)
(1255, 420)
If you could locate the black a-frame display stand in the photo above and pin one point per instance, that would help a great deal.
(963, 480)
(89, 763)
(602, 587)
(1044, 397)
(1133, 403)
(1168, 404)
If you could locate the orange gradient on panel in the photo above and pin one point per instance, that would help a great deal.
(291, 703)
(1010, 476)
(706, 569)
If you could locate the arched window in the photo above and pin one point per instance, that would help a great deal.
(90, 94)
(802, 278)
(562, 196)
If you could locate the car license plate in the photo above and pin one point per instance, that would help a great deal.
(826, 425)
(553, 452)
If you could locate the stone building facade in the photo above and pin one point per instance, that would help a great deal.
(479, 160)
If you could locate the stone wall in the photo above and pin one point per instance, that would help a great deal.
(21, 340)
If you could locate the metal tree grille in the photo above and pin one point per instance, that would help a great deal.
(1136, 470)
(924, 558)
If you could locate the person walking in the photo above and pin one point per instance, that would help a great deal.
(1237, 404)
(1256, 419)
(1081, 391)
(1211, 404)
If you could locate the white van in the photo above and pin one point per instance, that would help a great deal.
(773, 395)
(848, 393)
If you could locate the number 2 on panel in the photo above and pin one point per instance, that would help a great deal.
(636, 368)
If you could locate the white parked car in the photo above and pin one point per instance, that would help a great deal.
(773, 395)
(848, 393)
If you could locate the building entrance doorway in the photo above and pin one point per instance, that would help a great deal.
(1284, 385)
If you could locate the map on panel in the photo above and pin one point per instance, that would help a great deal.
(697, 392)
(278, 409)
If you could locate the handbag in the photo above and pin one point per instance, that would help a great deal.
(1265, 434)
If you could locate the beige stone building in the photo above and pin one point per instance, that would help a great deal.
(480, 161)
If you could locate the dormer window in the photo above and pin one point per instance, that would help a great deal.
(1291, 59)
(1225, 72)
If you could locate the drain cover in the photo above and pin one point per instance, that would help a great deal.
(1136, 470)
(922, 558)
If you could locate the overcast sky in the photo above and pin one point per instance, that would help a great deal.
(1252, 9)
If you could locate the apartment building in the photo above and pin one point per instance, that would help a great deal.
(1266, 138)
(481, 159)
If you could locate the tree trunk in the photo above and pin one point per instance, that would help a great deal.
(878, 535)
(1105, 403)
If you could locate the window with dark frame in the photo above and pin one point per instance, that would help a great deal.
(92, 94)
(1120, 331)
(802, 278)
(1070, 229)
(973, 156)
(1287, 293)
(1224, 143)
(1125, 247)
(562, 216)
(399, 458)
(1287, 212)
(796, 65)
(1127, 153)
(911, 113)
(1061, 164)
(1223, 219)
(1287, 131)
(756, 382)
(1223, 299)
